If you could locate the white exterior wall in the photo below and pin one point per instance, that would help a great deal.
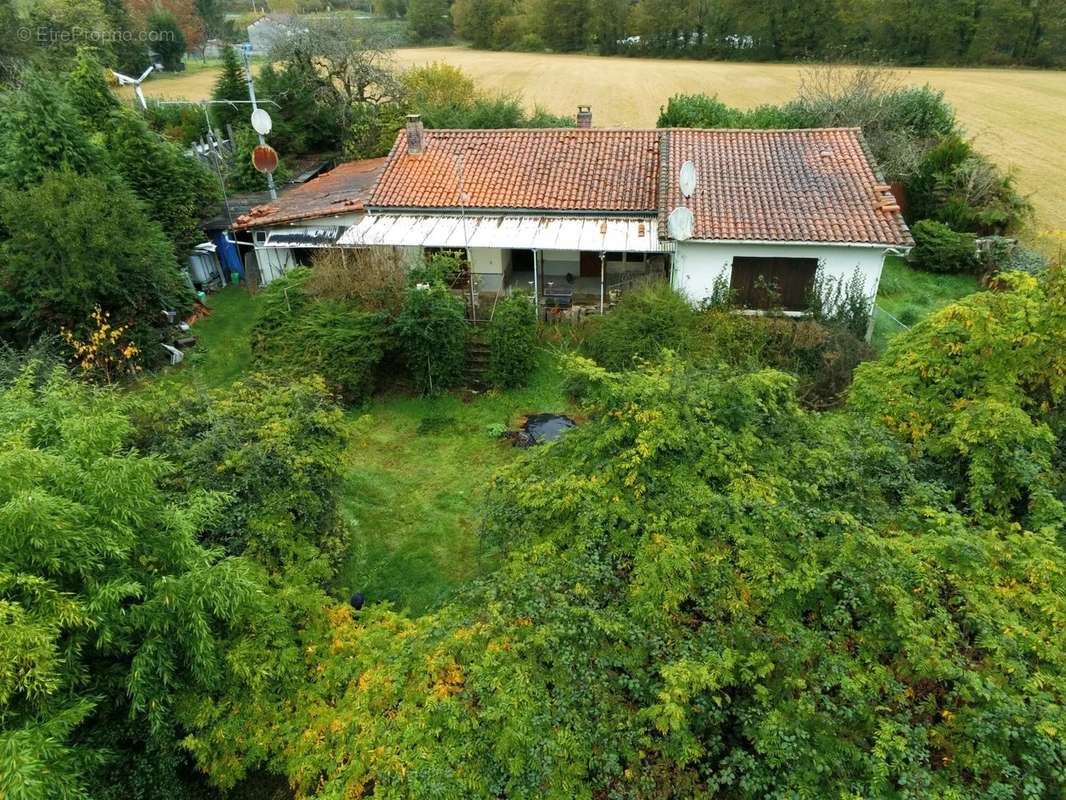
(696, 264)
(273, 262)
(491, 265)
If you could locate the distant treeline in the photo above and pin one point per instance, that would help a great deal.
(1003, 32)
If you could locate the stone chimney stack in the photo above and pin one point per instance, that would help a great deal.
(584, 116)
(416, 135)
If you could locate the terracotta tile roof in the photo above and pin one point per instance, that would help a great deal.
(782, 185)
(536, 169)
(342, 190)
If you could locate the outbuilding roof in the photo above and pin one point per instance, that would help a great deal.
(815, 185)
(342, 190)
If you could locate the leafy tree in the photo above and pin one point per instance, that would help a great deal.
(213, 16)
(176, 190)
(169, 39)
(476, 20)
(109, 602)
(129, 45)
(345, 68)
(60, 27)
(705, 592)
(978, 388)
(88, 92)
(428, 19)
(181, 13)
(275, 448)
(13, 51)
(74, 243)
(42, 133)
(230, 85)
(304, 121)
(393, 9)
(560, 24)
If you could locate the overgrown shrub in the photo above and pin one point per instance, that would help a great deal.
(842, 303)
(433, 331)
(512, 341)
(438, 269)
(976, 389)
(956, 185)
(274, 447)
(644, 322)
(294, 334)
(821, 357)
(75, 243)
(371, 278)
(937, 248)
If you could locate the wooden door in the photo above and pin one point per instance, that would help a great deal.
(590, 264)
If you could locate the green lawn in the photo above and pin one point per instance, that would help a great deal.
(416, 469)
(413, 471)
(910, 295)
(223, 348)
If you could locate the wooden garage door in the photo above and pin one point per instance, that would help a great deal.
(773, 282)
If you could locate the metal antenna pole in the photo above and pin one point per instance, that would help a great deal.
(216, 159)
(466, 238)
(251, 96)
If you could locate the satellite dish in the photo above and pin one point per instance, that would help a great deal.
(126, 80)
(680, 224)
(687, 178)
(261, 122)
(264, 158)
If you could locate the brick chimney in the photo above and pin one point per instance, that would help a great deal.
(416, 135)
(584, 116)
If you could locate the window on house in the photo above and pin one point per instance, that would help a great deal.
(759, 282)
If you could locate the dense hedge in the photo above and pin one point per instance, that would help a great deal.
(512, 341)
(646, 322)
(432, 331)
(296, 334)
(937, 248)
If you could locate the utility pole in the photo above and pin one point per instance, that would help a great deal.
(246, 50)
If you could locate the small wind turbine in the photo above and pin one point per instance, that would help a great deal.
(126, 80)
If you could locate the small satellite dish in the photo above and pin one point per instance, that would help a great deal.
(264, 158)
(680, 224)
(261, 122)
(687, 178)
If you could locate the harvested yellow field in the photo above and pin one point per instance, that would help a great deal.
(1016, 116)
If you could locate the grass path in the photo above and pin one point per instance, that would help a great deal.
(910, 295)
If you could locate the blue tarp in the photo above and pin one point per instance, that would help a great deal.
(228, 255)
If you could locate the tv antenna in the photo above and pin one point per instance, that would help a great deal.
(126, 80)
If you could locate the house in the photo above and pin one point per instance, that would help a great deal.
(278, 234)
(267, 30)
(585, 210)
